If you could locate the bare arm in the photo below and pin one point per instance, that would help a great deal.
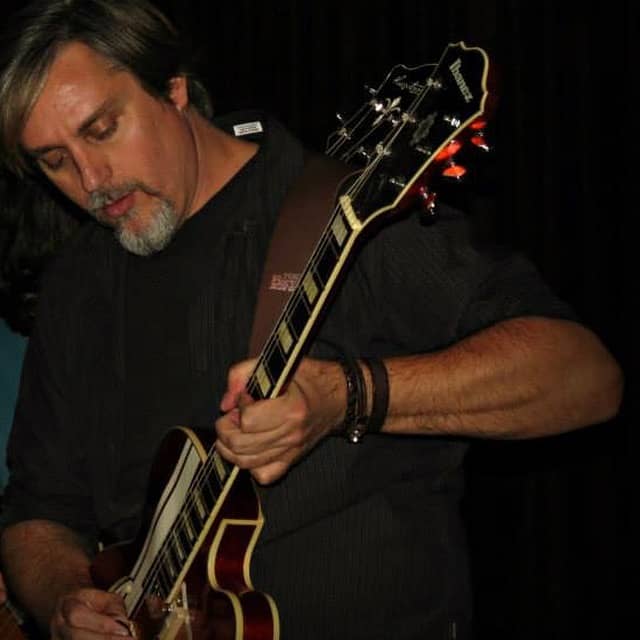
(521, 378)
(47, 568)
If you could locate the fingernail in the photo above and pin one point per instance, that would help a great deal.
(126, 630)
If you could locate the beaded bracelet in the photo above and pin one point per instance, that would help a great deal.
(354, 425)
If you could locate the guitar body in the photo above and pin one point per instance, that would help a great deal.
(188, 577)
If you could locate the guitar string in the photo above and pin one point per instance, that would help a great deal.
(204, 472)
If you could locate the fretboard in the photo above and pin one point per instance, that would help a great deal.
(290, 335)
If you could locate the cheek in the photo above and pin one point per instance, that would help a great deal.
(151, 147)
(71, 188)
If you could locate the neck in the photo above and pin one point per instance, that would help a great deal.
(218, 157)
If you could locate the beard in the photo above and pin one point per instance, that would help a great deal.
(153, 236)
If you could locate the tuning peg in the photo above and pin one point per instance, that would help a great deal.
(453, 171)
(478, 138)
(454, 121)
(448, 151)
(370, 90)
(479, 141)
(399, 182)
(363, 154)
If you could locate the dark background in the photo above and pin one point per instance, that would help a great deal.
(549, 520)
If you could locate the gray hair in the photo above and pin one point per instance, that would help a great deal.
(132, 34)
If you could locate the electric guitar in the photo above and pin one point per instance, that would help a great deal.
(187, 576)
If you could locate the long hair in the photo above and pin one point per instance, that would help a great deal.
(132, 34)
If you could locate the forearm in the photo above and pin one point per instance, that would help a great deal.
(520, 378)
(525, 377)
(42, 561)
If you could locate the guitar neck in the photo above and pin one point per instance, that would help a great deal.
(291, 333)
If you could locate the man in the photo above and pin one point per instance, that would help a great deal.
(134, 336)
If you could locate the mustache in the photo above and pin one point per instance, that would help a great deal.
(100, 198)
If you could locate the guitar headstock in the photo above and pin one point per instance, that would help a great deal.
(412, 130)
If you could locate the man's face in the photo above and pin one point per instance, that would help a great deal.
(115, 150)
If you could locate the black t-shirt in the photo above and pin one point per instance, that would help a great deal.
(360, 541)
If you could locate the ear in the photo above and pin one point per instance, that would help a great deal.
(178, 92)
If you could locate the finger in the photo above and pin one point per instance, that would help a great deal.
(236, 383)
(270, 473)
(89, 612)
(243, 439)
(252, 461)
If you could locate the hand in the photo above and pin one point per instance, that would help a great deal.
(89, 614)
(268, 436)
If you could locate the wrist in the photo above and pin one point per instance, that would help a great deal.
(366, 397)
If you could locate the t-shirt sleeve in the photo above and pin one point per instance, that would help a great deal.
(415, 288)
(45, 456)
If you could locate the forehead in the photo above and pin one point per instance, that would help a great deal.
(79, 81)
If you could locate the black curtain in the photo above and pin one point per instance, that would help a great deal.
(548, 519)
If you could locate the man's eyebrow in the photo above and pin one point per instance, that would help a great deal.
(84, 127)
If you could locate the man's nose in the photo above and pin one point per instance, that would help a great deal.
(93, 169)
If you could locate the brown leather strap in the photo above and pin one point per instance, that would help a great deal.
(305, 213)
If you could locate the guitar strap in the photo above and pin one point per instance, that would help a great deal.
(304, 214)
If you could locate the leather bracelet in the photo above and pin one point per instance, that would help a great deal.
(354, 425)
(380, 394)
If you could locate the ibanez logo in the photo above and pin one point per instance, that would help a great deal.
(460, 81)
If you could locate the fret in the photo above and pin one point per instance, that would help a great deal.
(221, 472)
(325, 264)
(189, 529)
(194, 516)
(194, 522)
(298, 317)
(207, 493)
(185, 543)
(170, 562)
(164, 581)
(275, 363)
(198, 503)
(177, 545)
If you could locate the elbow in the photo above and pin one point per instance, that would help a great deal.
(601, 392)
(612, 393)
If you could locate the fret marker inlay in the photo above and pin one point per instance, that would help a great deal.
(339, 230)
(310, 288)
(285, 337)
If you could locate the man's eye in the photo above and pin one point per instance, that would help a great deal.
(53, 162)
(105, 132)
